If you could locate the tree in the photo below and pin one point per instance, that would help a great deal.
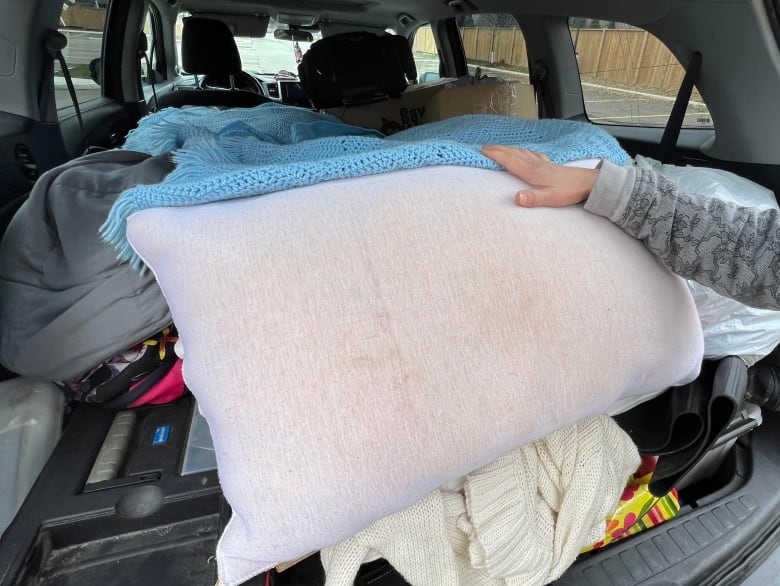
(487, 21)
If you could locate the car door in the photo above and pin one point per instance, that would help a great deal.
(46, 117)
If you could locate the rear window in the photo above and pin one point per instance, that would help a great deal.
(629, 77)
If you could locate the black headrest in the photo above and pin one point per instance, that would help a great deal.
(405, 55)
(143, 43)
(208, 47)
(356, 67)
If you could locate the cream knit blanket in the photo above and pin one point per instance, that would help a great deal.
(520, 520)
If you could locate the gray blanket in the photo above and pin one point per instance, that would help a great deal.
(66, 302)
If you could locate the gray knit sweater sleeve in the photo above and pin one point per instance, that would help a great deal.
(734, 250)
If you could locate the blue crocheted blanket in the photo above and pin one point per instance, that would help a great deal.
(242, 152)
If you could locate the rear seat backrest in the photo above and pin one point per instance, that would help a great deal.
(405, 56)
(356, 68)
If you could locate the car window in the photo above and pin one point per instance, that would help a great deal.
(153, 51)
(82, 23)
(426, 54)
(630, 77)
(494, 46)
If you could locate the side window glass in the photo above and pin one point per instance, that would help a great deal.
(82, 22)
(629, 77)
(151, 63)
(494, 46)
(426, 54)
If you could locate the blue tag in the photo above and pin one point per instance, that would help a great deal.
(161, 434)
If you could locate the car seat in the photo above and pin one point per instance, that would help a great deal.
(208, 49)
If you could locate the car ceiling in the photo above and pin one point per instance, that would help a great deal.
(385, 14)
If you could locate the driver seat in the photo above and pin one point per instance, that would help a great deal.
(208, 49)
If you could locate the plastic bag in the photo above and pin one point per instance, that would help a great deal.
(730, 328)
(713, 182)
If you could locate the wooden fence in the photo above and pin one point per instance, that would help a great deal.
(630, 58)
(83, 17)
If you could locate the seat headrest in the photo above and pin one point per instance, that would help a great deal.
(405, 55)
(356, 67)
(208, 47)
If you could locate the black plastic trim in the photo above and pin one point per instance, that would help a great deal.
(718, 543)
(59, 516)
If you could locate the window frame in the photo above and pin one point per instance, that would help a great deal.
(156, 48)
(413, 40)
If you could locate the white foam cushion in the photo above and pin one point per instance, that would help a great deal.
(357, 343)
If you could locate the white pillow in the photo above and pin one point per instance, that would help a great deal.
(357, 343)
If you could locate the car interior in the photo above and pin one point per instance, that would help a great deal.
(219, 58)
(129, 492)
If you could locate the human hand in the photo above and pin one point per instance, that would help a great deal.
(551, 185)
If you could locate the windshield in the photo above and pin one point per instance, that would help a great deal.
(270, 55)
(261, 55)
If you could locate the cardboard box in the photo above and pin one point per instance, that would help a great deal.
(435, 101)
(84, 17)
(507, 99)
(394, 114)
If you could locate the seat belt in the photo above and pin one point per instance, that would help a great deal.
(55, 43)
(46, 90)
(143, 47)
(677, 115)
